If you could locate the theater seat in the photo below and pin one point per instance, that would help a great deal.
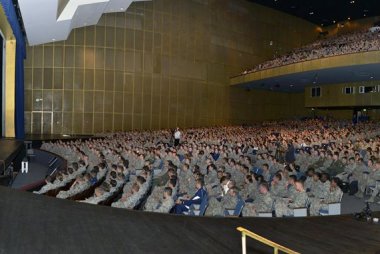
(332, 208)
(237, 211)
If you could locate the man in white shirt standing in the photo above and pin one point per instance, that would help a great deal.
(177, 136)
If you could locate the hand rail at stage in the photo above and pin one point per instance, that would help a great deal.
(276, 247)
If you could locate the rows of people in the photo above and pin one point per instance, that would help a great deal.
(359, 41)
(277, 166)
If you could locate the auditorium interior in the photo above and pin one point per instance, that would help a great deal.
(190, 126)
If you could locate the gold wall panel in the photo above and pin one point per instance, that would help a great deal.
(332, 96)
(162, 64)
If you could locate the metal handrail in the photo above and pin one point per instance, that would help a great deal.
(276, 247)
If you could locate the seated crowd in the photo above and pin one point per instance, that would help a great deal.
(361, 41)
(272, 167)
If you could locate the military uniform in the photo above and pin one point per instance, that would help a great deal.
(262, 203)
(285, 208)
(165, 205)
(216, 208)
(317, 204)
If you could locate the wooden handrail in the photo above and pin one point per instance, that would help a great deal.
(277, 247)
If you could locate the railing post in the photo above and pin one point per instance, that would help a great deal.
(243, 244)
(275, 251)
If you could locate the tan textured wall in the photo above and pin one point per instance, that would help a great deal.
(332, 96)
(160, 64)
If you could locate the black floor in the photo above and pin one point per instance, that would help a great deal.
(37, 224)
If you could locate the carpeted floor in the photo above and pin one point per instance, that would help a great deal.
(37, 224)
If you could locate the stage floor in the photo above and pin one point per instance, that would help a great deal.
(36, 174)
(9, 149)
(37, 224)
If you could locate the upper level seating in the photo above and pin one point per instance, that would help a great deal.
(360, 41)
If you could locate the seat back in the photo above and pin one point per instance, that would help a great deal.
(266, 215)
(334, 208)
(302, 211)
(239, 207)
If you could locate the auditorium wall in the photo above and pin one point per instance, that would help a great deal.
(334, 96)
(161, 64)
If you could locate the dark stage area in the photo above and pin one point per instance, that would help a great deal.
(38, 224)
(10, 151)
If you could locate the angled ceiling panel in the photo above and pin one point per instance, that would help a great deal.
(53, 20)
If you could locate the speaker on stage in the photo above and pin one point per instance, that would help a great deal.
(24, 165)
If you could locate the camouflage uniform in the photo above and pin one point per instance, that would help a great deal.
(262, 203)
(317, 204)
(283, 207)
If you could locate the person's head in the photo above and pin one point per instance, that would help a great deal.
(113, 183)
(135, 188)
(248, 179)
(233, 191)
(265, 167)
(172, 183)
(140, 180)
(335, 182)
(171, 172)
(99, 192)
(93, 174)
(310, 172)
(263, 188)
(292, 179)
(113, 174)
(231, 184)
(277, 178)
(317, 177)
(75, 166)
(168, 192)
(299, 185)
(199, 183)
(95, 169)
(325, 177)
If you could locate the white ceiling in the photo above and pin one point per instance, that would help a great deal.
(52, 20)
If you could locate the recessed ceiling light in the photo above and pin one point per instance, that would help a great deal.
(53, 39)
(311, 13)
(349, 18)
(352, 2)
(122, 9)
(334, 21)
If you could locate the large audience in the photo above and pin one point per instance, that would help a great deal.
(272, 167)
(360, 41)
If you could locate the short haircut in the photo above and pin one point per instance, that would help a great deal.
(140, 179)
(168, 191)
(264, 185)
(95, 169)
(75, 166)
(199, 181)
(294, 177)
